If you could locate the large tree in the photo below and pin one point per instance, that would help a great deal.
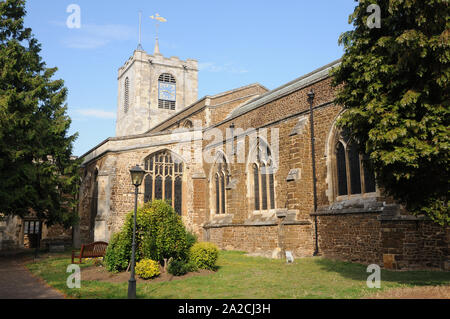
(37, 171)
(393, 83)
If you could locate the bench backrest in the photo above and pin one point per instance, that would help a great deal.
(96, 249)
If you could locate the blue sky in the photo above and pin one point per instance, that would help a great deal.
(235, 42)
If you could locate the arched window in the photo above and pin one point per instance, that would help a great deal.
(167, 91)
(187, 124)
(263, 178)
(220, 182)
(126, 99)
(352, 175)
(163, 179)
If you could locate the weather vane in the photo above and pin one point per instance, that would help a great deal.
(158, 19)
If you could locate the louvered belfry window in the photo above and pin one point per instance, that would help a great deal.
(163, 179)
(166, 91)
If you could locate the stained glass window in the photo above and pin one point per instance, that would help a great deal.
(369, 178)
(350, 167)
(178, 194)
(222, 193)
(164, 176)
(168, 189)
(221, 177)
(355, 170)
(148, 183)
(256, 185)
(264, 187)
(341, 170)
(217, 194)
(263, 178)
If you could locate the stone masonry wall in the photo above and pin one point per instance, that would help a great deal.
(394, 244)
(263, 240)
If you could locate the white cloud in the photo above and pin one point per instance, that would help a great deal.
(92, 36)
(84, 42)
(226, 68)
(101, 114)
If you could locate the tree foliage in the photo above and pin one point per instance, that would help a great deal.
(393, 82)
(37, 171)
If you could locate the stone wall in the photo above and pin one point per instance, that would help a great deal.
(394, 244)
(263, 240)
(12, 234)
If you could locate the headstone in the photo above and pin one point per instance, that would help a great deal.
(289, 257)
(276, 253)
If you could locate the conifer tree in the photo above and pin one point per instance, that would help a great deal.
(394, 85)
(37, 172)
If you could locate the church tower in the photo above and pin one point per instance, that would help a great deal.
(152, 88)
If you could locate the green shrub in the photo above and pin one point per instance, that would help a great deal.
(166, 236)
(147, 268)
(160, 235)
(191, 266)
(178, 267)
(118, 253)
(191, 239)
(204, 255)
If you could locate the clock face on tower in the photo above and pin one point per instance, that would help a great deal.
(167, 91)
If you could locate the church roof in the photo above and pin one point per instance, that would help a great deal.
(297, 84)
(200, 104)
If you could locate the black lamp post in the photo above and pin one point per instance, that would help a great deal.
(311, 96)
(137, 175)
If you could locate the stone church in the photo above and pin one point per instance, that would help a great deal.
(254, 187)
(250, 169)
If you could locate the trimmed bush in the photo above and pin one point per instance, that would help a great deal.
(181, 267)
(191, 239)
(118, 253)
(178, 267)
(204, 255)
(147, 268)
(166, 236)
(160, 235)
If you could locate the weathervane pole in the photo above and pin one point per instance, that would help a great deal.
(140, 27)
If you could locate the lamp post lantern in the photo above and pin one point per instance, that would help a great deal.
(137, 175)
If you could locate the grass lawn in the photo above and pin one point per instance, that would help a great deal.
(240, 276)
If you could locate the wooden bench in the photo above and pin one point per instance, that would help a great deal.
(96, 249)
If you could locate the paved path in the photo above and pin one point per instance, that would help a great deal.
(16, 282)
